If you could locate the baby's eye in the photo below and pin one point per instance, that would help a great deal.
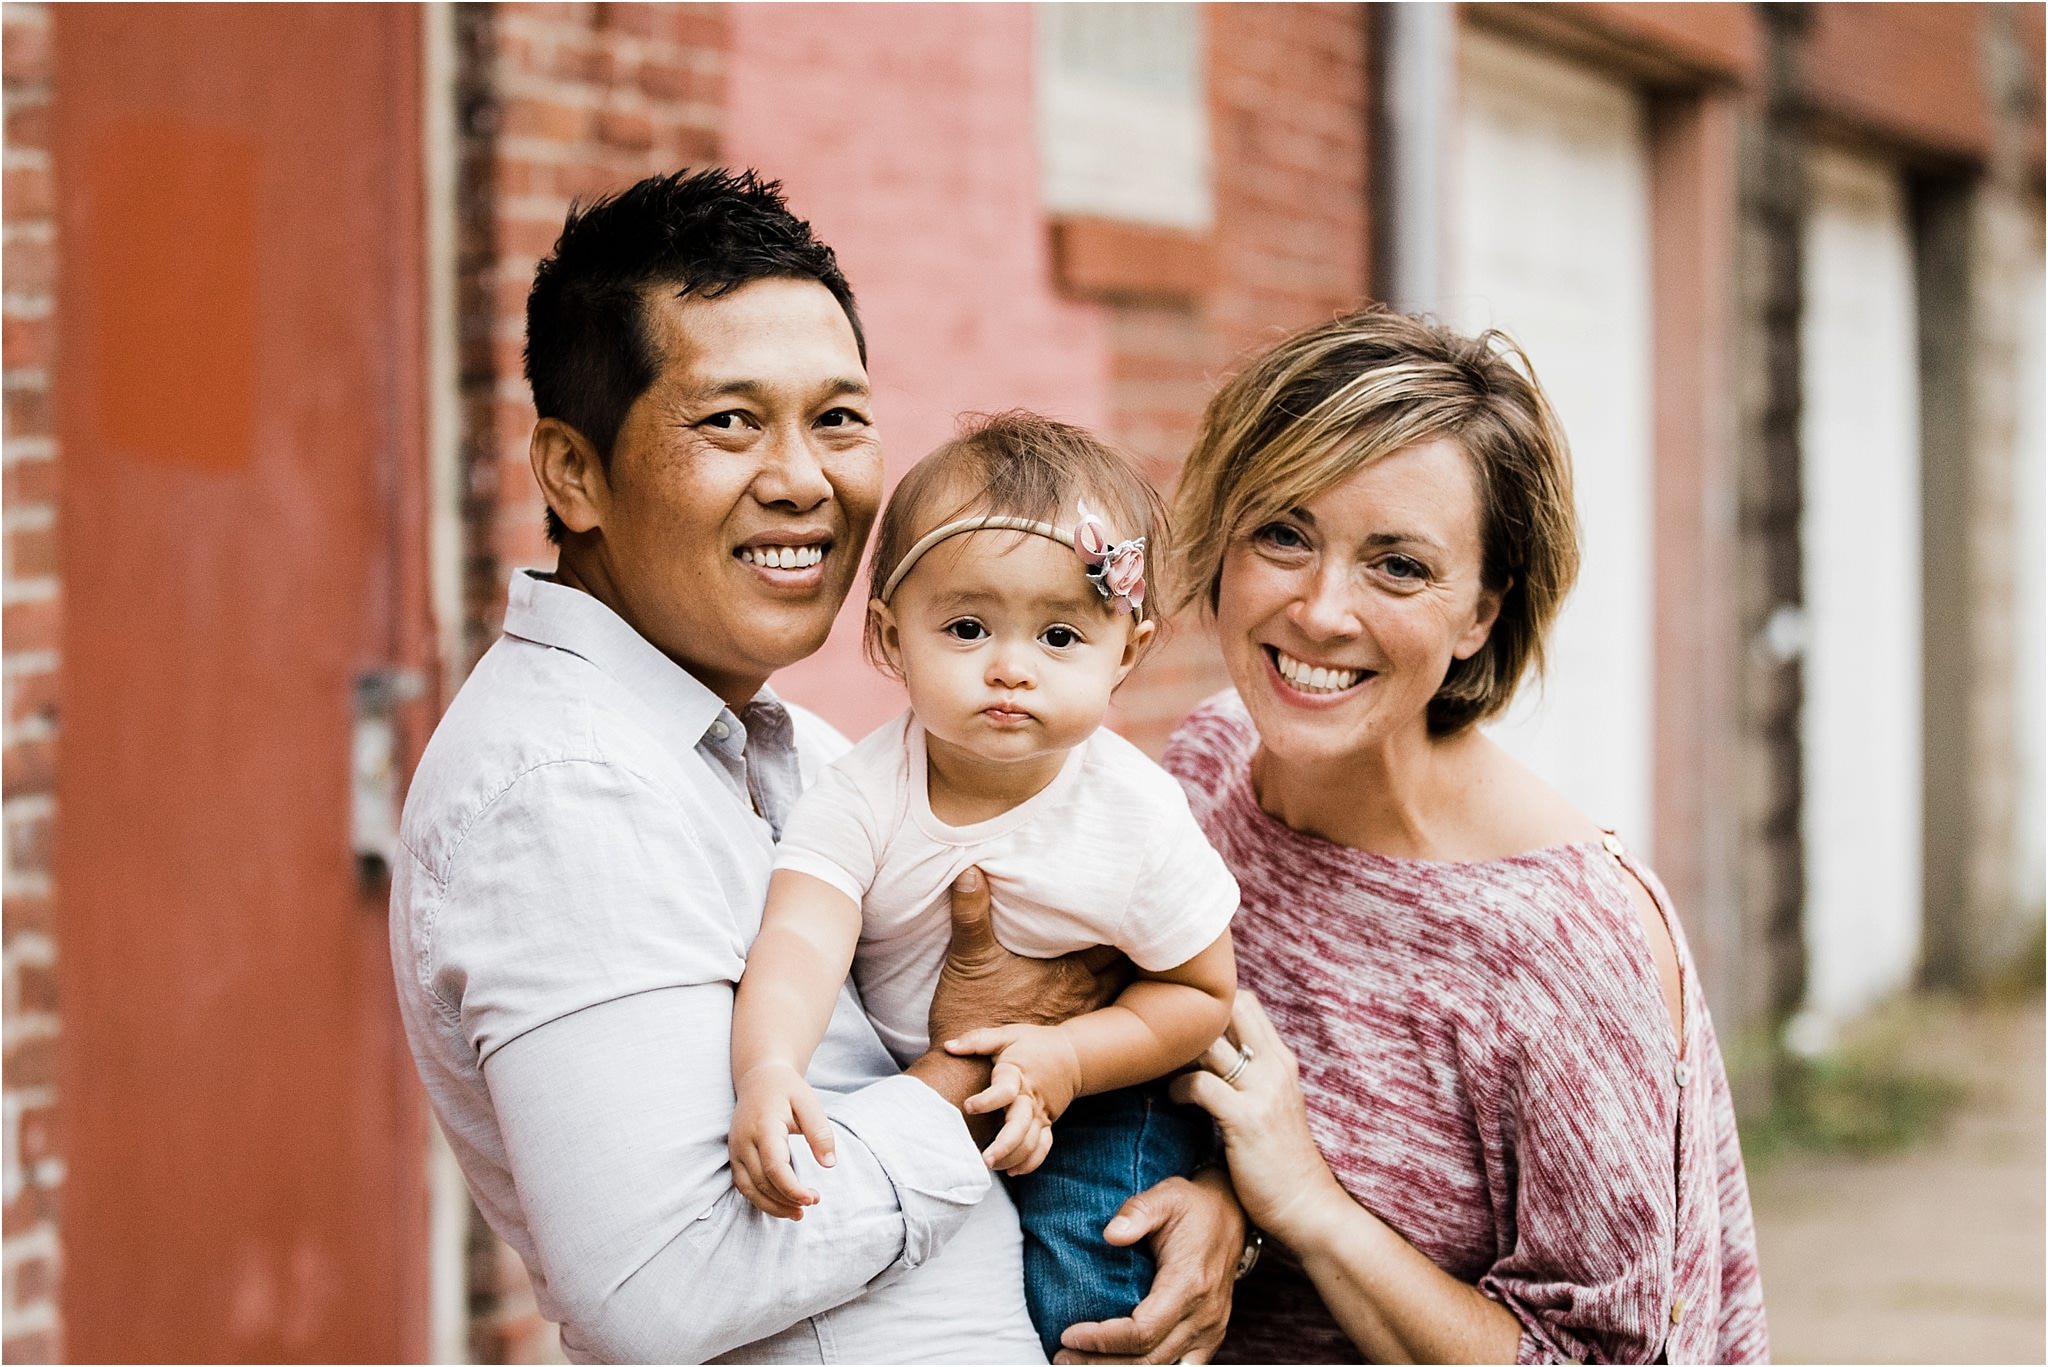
(966, 629)
(1059, 638)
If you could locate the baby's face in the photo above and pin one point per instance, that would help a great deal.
(1008, 651)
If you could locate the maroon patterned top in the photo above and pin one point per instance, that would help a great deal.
(1490, 1068)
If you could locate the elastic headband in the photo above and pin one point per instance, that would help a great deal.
(1117, 569)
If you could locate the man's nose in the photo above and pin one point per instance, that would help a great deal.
(792, 472)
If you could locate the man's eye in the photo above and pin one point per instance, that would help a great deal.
(966, 629)
(1059, 638)
(731, 420)
(841, 417)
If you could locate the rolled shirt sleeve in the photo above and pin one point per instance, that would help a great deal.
(592, 970)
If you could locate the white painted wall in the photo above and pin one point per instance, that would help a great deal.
(1860, 728)
(2030, 606)
(1551, 243)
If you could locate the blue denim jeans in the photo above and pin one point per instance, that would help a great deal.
(1105, 1150)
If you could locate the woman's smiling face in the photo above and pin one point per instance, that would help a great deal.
(1339, 618)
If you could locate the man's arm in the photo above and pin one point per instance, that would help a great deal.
(591, 966)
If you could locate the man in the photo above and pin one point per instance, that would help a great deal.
(590, 833)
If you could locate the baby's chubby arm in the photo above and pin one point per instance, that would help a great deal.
(793, 975)
(1160, 1022)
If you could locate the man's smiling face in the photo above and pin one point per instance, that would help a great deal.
(741, 486)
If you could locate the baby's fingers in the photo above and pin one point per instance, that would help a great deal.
(1014, 1140)
(1004, 1086)
(990, 1040)
(746, 1179)
(817, 1130)
(1035, 1156)
(779, 1177)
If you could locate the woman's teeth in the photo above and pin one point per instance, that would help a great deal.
(1314, 678)
(783, 557)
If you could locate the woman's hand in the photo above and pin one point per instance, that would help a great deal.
(1280, 1176)
(1197, 1235)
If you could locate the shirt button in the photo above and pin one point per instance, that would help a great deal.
(1611, 843)
(719, 730)
(1682, 1071)
(1677, 1308)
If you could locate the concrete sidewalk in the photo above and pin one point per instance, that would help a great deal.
(1935, 1255)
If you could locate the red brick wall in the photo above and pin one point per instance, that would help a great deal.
(33, 1170)
(558, 101)
(1289, 114)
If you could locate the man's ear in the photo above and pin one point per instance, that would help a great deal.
(1484, 616)
(1134, 646)
(887, 634)
(572, 478)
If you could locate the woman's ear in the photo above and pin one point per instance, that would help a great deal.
(887, 635)
(1134, 646)
(1485, 614)
(572, 478)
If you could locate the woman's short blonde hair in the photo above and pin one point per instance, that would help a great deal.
(1332, 399)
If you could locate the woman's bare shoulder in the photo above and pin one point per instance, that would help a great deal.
(1514, 810)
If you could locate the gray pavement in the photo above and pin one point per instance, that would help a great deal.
(1935, 1254)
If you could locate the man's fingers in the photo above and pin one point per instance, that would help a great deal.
(973, 930)
(1252, 1025)
(817, 1130)
(1134, 1219)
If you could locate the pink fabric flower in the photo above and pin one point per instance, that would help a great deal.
(1118, 568)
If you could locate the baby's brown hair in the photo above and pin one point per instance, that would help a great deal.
(1017, 464)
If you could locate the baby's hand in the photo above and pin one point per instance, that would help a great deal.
(774, 1103)
(1036, 1076)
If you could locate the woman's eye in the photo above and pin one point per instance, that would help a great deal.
(1404, 567)
(1059, 638)
(1280, 536)
(966, 629)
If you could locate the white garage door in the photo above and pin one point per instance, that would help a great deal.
(2030, 608)
(1861, 549)
(1550, 243)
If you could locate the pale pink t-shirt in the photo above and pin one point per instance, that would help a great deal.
(1107, 854)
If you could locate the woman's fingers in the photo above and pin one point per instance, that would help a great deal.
(1251, 1024)
(1205, 1089)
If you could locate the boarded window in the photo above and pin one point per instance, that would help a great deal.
(1123, 127)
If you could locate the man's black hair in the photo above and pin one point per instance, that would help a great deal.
(588, 352)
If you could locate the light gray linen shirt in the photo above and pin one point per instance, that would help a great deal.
(584, 873)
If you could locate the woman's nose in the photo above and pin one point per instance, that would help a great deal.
(1325, 607)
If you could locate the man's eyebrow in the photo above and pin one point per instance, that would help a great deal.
(837, 387)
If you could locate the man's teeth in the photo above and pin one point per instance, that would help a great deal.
(1314, 678)
(783, 557)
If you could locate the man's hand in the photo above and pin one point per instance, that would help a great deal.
(983, 984)
(1035, 1078)
(1197, 1235)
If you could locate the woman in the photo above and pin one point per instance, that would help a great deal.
(1498, 1127)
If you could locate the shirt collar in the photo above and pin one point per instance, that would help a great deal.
(539, 610)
